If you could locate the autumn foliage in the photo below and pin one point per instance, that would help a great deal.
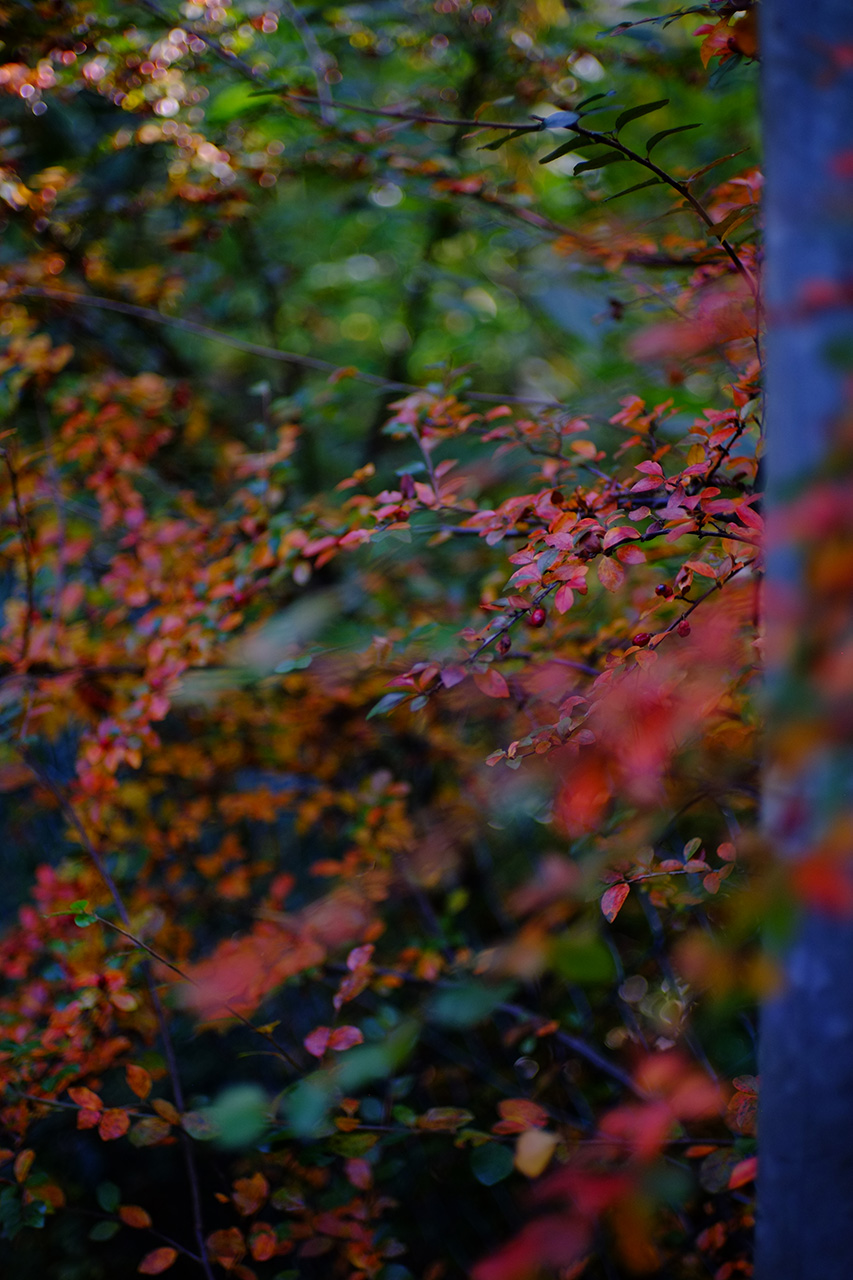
(380, 550)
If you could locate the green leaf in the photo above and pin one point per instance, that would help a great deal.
(508, 137)
(108, 1196)
(104, 1230)
(386, 704)
(236, 100)
(598, 162)
(580, 955)
(634, 113)
(491, 1163)
(240, 1115)
(665, 133)
(467, 1003)
(638, 186)
(595, 97)
(574, 144)
(371, 1062)
(306, 1107)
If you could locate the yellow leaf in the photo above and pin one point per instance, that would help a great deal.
(533, 1151)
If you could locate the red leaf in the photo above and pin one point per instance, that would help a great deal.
(612, 900)
(743, 1172)
(156, 1261)
(555, 1241)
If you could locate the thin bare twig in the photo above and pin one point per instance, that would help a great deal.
(259, 349)
(320, 62)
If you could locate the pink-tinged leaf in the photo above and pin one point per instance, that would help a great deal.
(558, 1240)
(726, 852)
(619, 534)
(156, 1261)
(359, 1173)
(613, 899)
(317, 1042)
(611, 575)
(650, 468)
(491, 683)
(564, 599)
(452, 675)
(344, 1038)
(743, 1173)
(527, 573)
(360, 956)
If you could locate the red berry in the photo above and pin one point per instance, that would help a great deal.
(663, 590)
(536, 617)
(641, 639)
(683, 627)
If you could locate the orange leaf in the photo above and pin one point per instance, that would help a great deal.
(86, 1098)
(612, 900)
(139, 1081)
(611, 575)
(226, 1247)
(166, 1111)
(23, 1163)
(491, 683)
(262, 1242)
(156, 1261)
(133, 1215)
(114, 1124)
(518, 1114)
(250, 1193)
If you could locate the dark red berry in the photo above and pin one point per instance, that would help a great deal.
(503, 644)
(536, 617)
(641, 639)
(664, 590)
(683, 627)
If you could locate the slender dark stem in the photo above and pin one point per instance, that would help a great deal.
(27, 545)
(155, 955)
(157, 1005)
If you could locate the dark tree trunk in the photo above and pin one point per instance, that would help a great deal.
(805, 1220)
